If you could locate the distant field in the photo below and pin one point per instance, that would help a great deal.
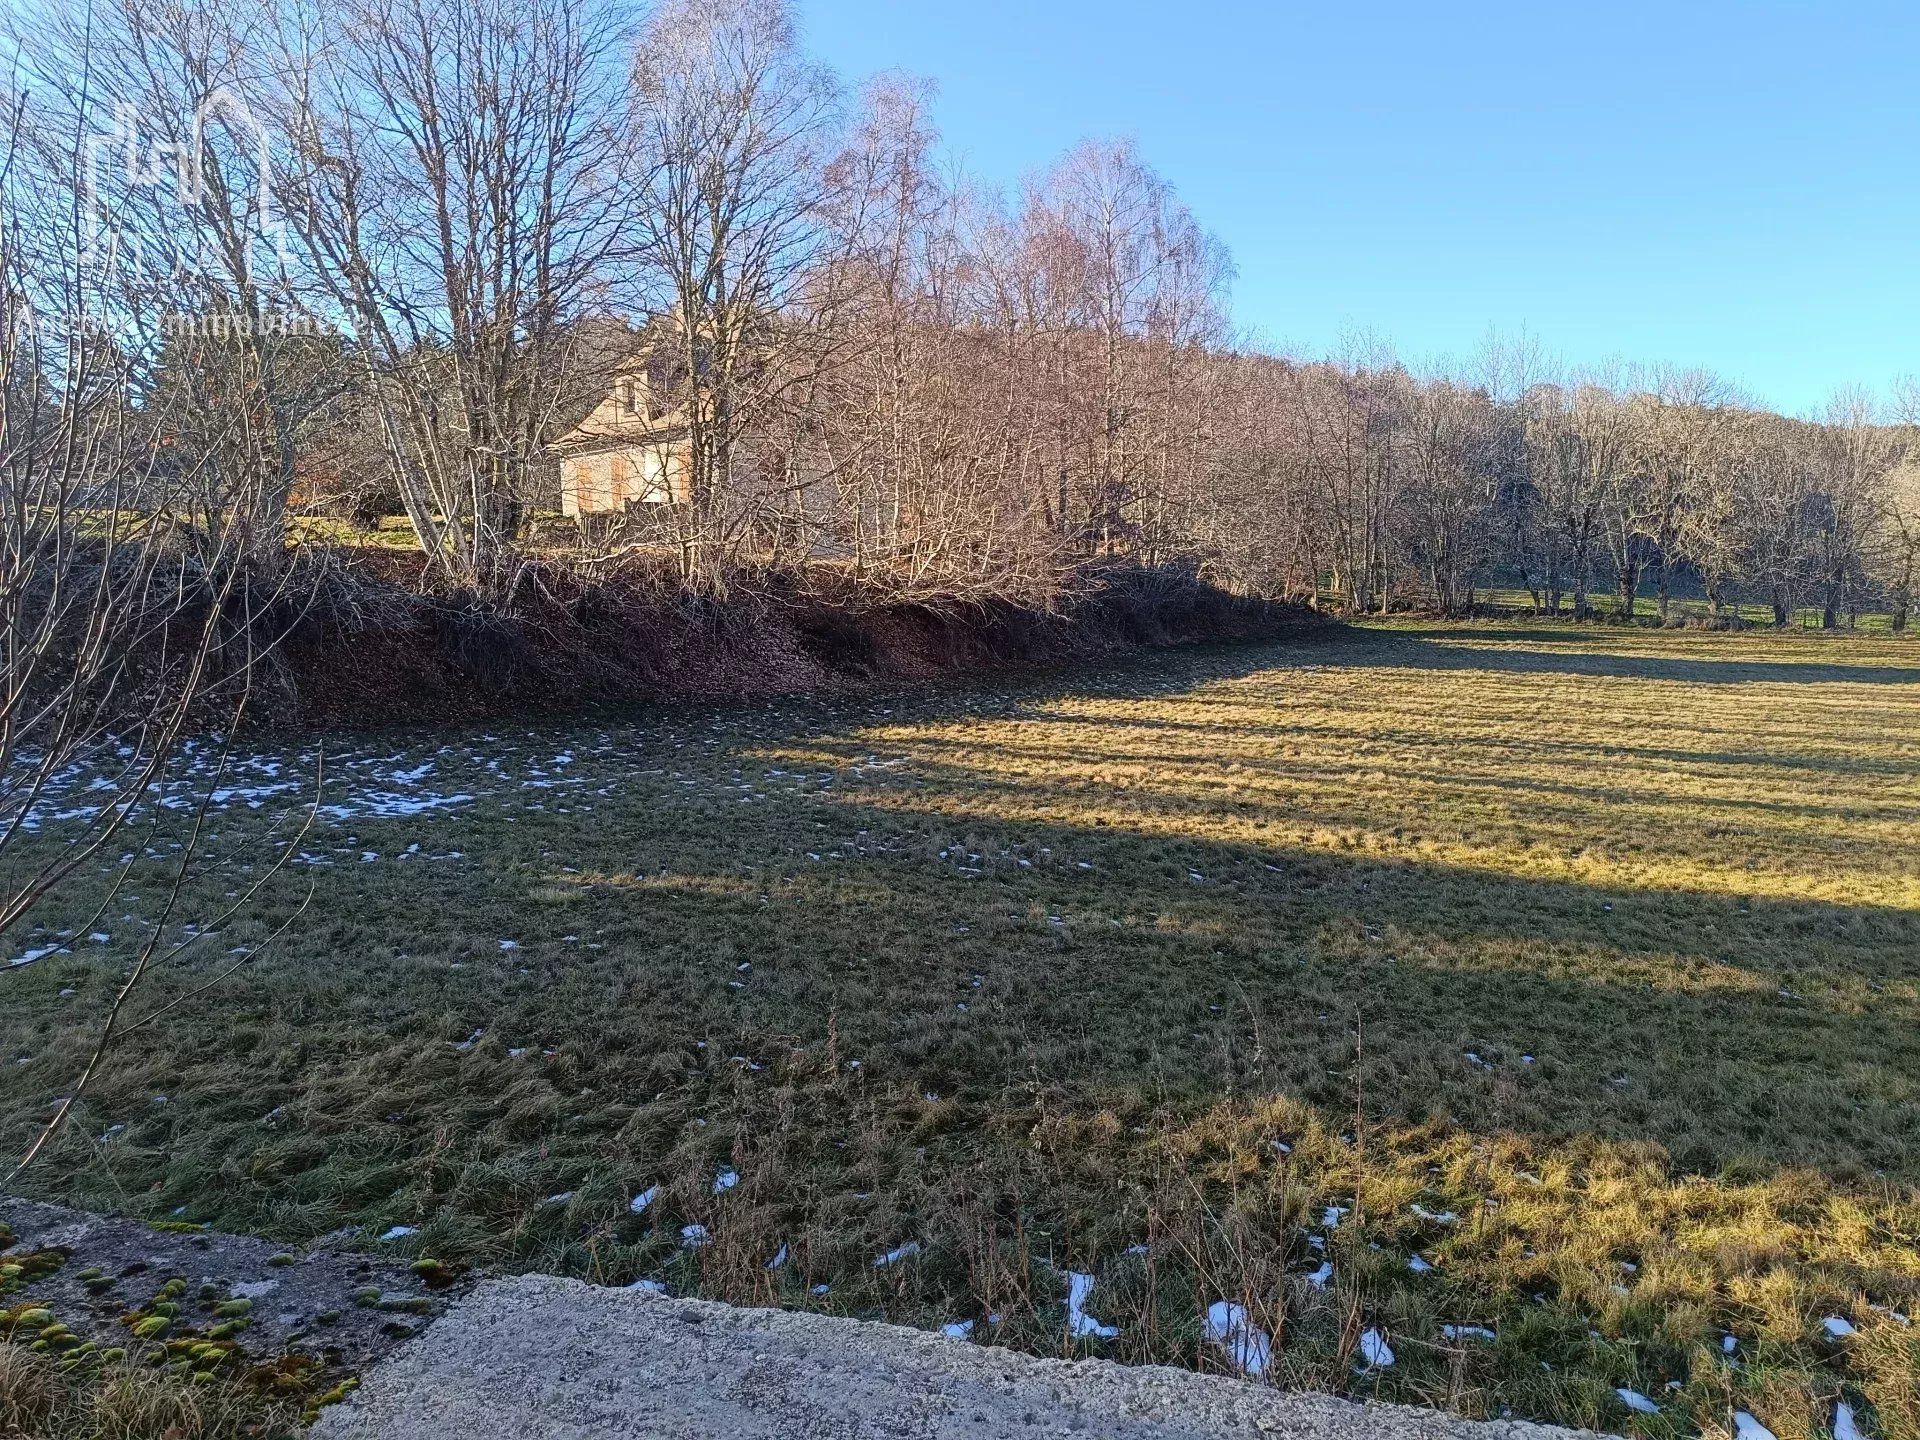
(1577, 970)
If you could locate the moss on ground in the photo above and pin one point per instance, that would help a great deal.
(1579, 964)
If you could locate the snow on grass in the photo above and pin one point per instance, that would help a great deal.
(400, 1232)
(1635, 1401)
(1375, 1350)
(897, 1254)
(390, 805)
(1079, 1323)
(638, 1205)
(1745, 1427)
(1467, 1332)
(693, 1237)
(1249, 1348)
(1837, 1328)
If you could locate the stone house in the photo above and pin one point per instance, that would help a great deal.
(630, 452)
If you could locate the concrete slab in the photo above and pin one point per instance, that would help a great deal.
(542, 1358)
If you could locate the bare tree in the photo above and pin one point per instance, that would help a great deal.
(1856, 455)
(1681, 422)
(131, 611)
(730, 128)
(460, 171)
(1894, 555)
(1453, 478)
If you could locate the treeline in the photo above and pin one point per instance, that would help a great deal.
(382, 253)
(1387, 489)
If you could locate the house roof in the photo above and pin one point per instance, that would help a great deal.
(613, 423)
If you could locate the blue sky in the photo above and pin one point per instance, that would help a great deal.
(1695, 182)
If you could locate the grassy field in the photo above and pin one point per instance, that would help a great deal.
(1540, 1003)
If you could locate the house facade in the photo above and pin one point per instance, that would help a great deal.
(629, 452)
(628, 463)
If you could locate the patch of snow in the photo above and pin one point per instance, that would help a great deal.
(1419, 1265)
(1745, 1427)
(779, 1257)
(1319, 1278)
(725, 1181)
(1331, 1216)
(1836, 1327)
(1635, 1401)
(897, 1254)
(1248, 1347)
(1844, 1427)
(400, 1232)
(388, 805)
(652, 1287)
(1467, 1332)
(638, 1205)
(1375, 1350)
(692, 1237)
(958, 1329)
(1079, 1323)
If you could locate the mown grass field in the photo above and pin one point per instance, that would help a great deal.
(1578, 970)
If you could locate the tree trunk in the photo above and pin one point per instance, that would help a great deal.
(1629, 589)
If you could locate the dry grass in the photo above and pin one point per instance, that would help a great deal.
(30, 1391)
(122, 1401)
(1604, 943)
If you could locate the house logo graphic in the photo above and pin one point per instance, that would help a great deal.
(131, 162)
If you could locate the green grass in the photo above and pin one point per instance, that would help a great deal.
(1604, 942)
